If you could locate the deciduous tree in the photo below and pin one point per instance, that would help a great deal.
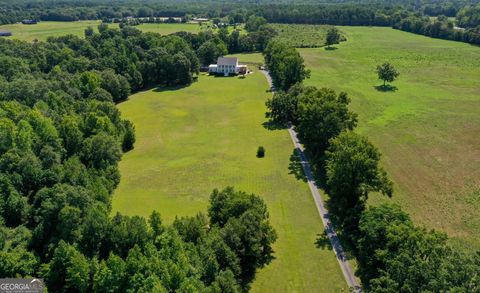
(387, 72)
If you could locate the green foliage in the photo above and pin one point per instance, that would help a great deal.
(244, 219)
(89, 32)
(100, 151)
(260, 152)
(68, 269)
(285, 65)
(469, 16)
(333, 36)
(322, 115)
(283, 107)
(18, 262)
(353, 171)
(387, 72)
(117, 85)
(287, 212)
(254, 23)
(303, 36)
(128, 137)
(101, 95)
(396, 256)
(209, 51)
(88, 82)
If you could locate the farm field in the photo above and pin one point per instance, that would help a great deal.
(45, 29)
(205, 136)
(169, 28)
(302, 36)
(427, 130)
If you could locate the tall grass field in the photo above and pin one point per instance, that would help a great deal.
(428, 129)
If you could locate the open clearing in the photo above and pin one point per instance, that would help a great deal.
(428, 130)
(302, 36)
(205, 136)
(45, 29)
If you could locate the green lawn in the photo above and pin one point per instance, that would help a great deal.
(205, 136)
(428, 129)
(249, 58)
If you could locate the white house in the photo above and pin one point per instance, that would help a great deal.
(227, 66)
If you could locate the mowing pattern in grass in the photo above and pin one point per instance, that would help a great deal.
(194, 139)
(427, 128)
(302, 36)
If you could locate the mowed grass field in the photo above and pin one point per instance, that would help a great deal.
(169, 28)
(205, 136)
(249, 58)
(45, 29)
(428, 130)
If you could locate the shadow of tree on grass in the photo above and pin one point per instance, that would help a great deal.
(295, 166)
(323, 242)
(386, 88)
(330, 48)
(159, 89)
(273, 125)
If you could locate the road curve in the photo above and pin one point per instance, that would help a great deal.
(322, 211)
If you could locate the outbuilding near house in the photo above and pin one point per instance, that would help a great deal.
(5, 34)
(227, 66)
(29, 21)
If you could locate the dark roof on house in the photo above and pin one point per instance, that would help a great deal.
(227, 61)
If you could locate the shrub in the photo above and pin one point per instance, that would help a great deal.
(260, 152)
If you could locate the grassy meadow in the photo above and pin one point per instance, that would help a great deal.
(45, 29)
(302, 36)
(205, 136)
(169, 28)
(427, 129)
(249, 58)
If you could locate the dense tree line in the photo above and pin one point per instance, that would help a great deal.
(285, 64)
(61, 138)
(441, 27)
(73, 10)
(405, 15)
(469, 17)
(399, 18)
(393, 254)
(210, 45)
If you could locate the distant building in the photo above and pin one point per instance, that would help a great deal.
(199, 19)
(5, 34)
(29, 21)
(227, 66)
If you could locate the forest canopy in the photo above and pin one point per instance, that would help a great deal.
(61, 138)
